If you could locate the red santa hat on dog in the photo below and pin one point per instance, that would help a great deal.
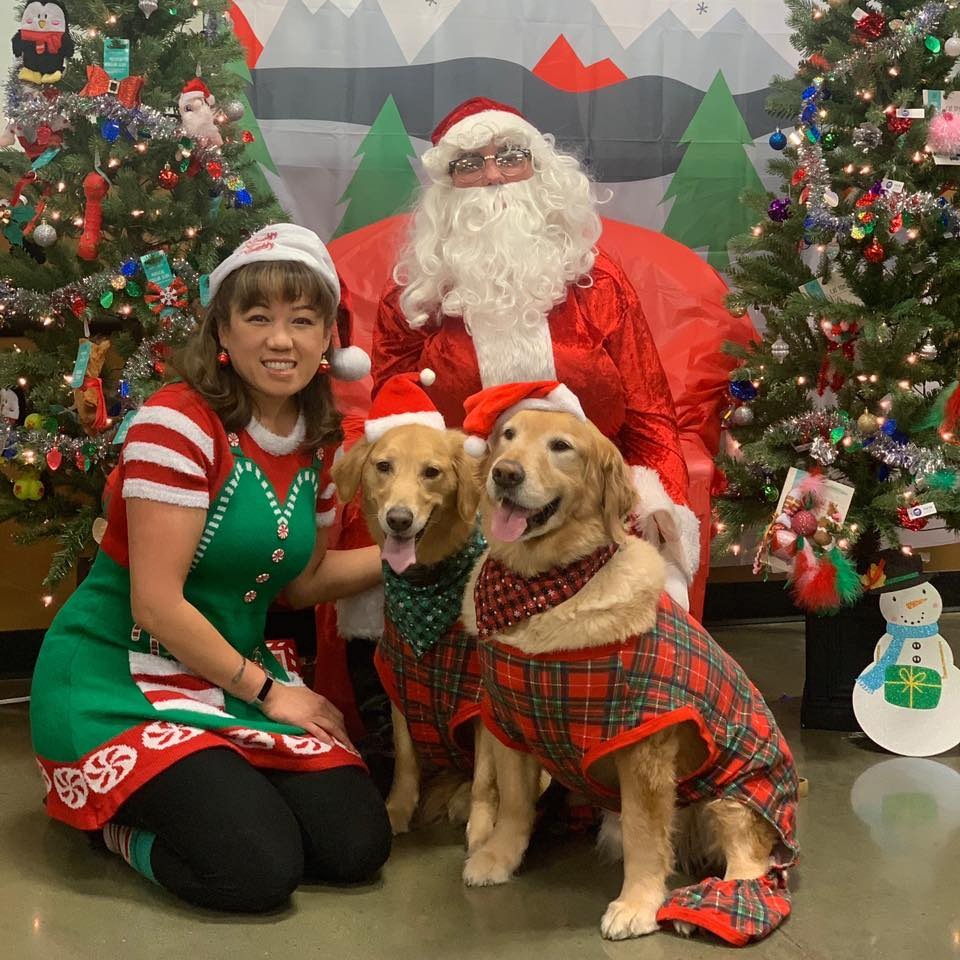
(486, 409)
(191, 90)
(402, 401)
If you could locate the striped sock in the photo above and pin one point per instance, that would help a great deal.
(133, 845)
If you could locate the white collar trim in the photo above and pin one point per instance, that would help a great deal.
(273, 443)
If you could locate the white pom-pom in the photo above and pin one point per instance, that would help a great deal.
(475, 447)
(349, 363)
(427, 377)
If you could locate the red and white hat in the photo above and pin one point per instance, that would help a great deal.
(486, 409)
(191, 90)
(401, 401)
(472, 124)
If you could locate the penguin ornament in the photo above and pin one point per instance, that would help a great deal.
(43, 42)
(908, 699)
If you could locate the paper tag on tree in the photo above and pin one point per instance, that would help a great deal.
(934, 99)
(157, 268)
(858, 14)
(813, 289)
(893, 186)
(80, 364)
(116, 57)
(911, 113)
(121, 433)
(920, 510)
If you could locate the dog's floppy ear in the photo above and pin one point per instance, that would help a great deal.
(468, 471)
(347, 470)
(618, 495)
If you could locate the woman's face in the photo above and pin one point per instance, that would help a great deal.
(276, 349)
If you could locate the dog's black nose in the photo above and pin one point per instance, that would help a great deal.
(508, 473)
(400, 519)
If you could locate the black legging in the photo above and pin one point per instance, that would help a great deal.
(231, 837)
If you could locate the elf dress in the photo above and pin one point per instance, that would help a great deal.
(110, 707)
(573, 708)
(428, 663)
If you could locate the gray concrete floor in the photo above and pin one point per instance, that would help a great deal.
(880, 875)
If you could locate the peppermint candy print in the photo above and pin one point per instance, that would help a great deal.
(71, 787)
(108, 767)
(305, 746)
(255, 739)
(162, 735)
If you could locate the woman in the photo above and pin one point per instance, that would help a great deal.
(158, 715)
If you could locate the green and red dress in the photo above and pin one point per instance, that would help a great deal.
(110, 707)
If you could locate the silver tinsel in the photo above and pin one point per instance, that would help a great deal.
(868, 136)
(823, 451)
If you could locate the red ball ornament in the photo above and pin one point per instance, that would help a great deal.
(159, 368)
(804, 523)
(875, 253)
(872, 26)
(168, 178)
(908, 522)
(77, 305)
(899, 125)
(215, 169)
(247, 137)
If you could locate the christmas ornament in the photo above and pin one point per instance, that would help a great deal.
(148, 7)
(43, 42)
(196, 105)
(118, 282)
(779, 209)
(99, 83)
(54, 458)
(872, 26)
(823, 451)
(943, 133)
(88, 399)
(952, 47)
(804, 523)
(898, 126)
(215, 169)
(129, 267)
(78, 304)
(44, 235)
(110, 130)
(867, 136)
(234, 110)
(908, 522)
(933, 44)
(167, 178)
(95, 188)
(780, 349)
(173, 296)
(743, 390)
(28, 487)
(823, 537)
(829, 141)
(742, 416)
(928, 351)
(770, 493)
(243, 198)
(875, 252)
(247, 137)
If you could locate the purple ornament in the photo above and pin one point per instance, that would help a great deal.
(779, 209)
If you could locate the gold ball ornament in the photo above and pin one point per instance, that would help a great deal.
(867, 423)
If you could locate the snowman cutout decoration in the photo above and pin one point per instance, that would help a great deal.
(43, 42)
(908, 700)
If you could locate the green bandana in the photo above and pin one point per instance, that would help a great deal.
(424, 612)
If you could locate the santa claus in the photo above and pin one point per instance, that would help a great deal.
(501, 281)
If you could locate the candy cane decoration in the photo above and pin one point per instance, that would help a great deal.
(95, 187)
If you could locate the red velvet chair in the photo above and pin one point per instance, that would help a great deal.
(683, 300)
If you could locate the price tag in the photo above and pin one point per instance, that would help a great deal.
(80, 365)
(125, 424)
(204, 284)
(116, 57)
(911, 113)
(919, 510)
(934, 99)
(157, 268)
(814, 289)
(893, 186)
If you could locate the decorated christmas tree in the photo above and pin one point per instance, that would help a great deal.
(125, 179)
(853, 273)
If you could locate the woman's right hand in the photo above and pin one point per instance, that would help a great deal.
(301, 707)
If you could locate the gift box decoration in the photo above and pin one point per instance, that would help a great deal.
(917, 688)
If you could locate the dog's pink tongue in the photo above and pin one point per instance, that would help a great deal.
(400, 554)
(509, 522)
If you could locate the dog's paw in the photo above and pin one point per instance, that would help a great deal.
(487, 868)
(400, 814)
(685, 929)
(479, 830)
(625, 919)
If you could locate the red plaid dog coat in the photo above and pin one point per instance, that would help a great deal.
(573, 708)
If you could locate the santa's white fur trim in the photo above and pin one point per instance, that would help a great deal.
(373, 430)
(349, 363)
(361, 615)
(676, 525)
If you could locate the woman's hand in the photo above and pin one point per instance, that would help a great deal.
(301, 707)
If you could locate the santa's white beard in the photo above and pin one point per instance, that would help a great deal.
(500, 257)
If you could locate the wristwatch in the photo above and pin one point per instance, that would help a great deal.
(260, 699)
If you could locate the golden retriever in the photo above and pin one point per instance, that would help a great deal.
(420, 494)
(555, 492)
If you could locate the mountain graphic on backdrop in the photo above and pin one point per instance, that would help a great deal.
(524, 32)
(562, 68)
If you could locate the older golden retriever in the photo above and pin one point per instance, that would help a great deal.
(420, 494)
(554, 499)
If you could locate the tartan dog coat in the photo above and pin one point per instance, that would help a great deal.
(573, 708)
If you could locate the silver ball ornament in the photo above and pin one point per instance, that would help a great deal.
(233, 109)
(780, 349)
(148, 7)
(742, 416)
(44, 235)
(928, 350)
(952, 47)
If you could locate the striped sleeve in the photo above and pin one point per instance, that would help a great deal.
(327, 492)
(169, 455)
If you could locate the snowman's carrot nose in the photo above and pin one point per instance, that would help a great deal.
(915, 603)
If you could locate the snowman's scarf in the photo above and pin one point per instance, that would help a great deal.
(901, 632)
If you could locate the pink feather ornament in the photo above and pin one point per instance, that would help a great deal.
(943, 133)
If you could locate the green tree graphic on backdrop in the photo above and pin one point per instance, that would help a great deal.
(713, 174)
(384, 182)
(258, 149)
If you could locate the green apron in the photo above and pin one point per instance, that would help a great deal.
(110, 708)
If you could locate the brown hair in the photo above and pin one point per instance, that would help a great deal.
(258, 283)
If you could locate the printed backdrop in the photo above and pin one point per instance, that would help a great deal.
(663, 98)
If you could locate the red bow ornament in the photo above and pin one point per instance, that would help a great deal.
(99, 82)
(163, 298)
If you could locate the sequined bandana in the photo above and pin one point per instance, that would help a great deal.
(504, 598)
(425, 609)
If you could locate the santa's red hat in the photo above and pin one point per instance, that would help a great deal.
(191, 90)
(489, 407)
(401, 401)
(472, 124)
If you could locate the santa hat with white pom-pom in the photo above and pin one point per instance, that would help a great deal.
(401, 401)
(194, 89)
(488, 408)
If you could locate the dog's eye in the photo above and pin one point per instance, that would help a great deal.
(384, 466)
(431, 473)
(509, 433)
(560, 446)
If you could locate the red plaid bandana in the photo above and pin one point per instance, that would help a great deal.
(504, 598)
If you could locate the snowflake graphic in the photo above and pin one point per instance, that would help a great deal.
(701, 7)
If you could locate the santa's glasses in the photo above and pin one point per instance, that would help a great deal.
(510, 161)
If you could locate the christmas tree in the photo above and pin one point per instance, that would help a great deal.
(713, 174)
(855, 269)
(130, 183)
